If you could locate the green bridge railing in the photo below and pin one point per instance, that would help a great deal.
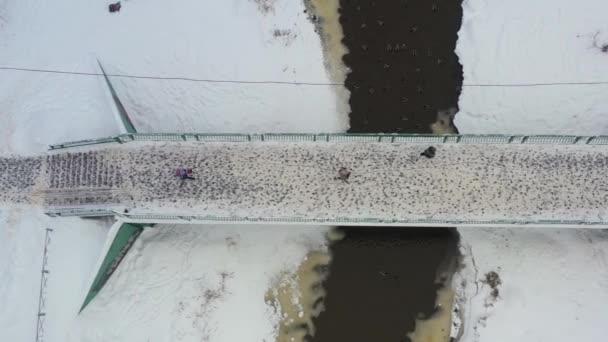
(168, 217)
(343, 137)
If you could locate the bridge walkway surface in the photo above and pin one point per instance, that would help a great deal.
(390, 183)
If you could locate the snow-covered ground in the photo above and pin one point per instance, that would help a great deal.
(229, 40)
(21, 243)
(73, 250)
(554, 283)
(197, 283)
(233, 40)
(523, 42)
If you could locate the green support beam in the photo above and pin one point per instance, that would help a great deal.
(123, 240)
(122, 111)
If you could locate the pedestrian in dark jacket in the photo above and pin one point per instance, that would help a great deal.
(183, 174)
(115, 7)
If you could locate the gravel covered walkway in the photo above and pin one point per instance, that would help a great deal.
(303, 180)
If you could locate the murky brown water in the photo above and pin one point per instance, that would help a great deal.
(382, 280)
(385, 284)
(299, 296)
(436, 328)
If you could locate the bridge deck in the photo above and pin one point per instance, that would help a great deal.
(390, 183)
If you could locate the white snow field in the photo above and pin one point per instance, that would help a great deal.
(529, 42)
(226, 40)
(554, 282)
(197, 283)
(234, 41)
(73, 250)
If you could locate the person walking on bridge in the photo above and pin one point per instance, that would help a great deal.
(185, 174)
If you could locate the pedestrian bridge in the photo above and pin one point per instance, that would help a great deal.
(490, 180)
